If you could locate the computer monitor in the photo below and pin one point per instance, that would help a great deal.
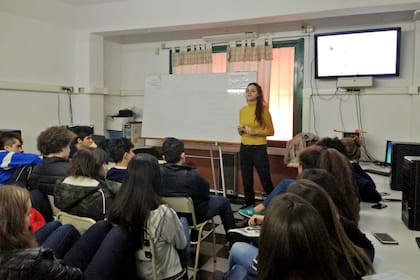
(388, 152)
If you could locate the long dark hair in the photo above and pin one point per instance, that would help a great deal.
(325, 180)
(356, 258)
(294, 235)
(13, 208)
(339, 166)
(139, 194)
(260, 104)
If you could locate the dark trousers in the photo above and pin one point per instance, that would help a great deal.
(250, 156)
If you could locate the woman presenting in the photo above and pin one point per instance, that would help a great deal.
(254, 126)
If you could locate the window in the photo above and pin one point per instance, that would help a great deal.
(286, 85)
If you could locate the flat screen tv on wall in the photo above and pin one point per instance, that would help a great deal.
(358, 53)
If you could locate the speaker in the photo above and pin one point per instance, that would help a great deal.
(399, 151)
(410, 212)
(230, 162)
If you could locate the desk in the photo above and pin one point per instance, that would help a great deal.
(404, 257)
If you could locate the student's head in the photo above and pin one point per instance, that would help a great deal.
(55, 140)
(11, 142)
(139, 194)
(120, 150)
(85, 163)
(173, 150)
(326, 181)
(294, 235)
(309, 157)
(254, 92)
(83, 137)
(352, 146)
(333, 143)
(322, 202)
(339, 167)
(15, 205)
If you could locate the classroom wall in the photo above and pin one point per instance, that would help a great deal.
(37, 58)
(328, 111)
(50, 45)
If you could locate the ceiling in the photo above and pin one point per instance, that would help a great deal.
(88, 2)
(261, 27)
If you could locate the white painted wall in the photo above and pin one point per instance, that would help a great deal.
(388, 110)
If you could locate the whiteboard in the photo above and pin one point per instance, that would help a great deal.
(200, 107)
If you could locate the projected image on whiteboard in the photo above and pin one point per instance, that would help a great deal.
(370, 53)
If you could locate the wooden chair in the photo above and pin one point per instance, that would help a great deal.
(185, 205)
(147, 253)
(80, 223)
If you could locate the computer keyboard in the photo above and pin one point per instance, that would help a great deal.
(378, 172)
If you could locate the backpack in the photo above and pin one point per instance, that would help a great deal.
(295, 145)
(21, 176)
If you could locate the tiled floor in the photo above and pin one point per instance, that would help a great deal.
(209, 269)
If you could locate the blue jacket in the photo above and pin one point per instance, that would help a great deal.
(11, 161)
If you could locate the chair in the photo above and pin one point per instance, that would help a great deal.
(80, 223)
(54, 209)
(185, 205)
(147, 253)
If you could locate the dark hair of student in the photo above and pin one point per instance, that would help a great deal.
(260, 104)
(333, 143)
(356, 258)
(7, 138)
(325, 180)
(118, 147)
(54, 139)
(84, 163)
(294, 242)
(309, 157)
(81, 131)
(172, 149)
(139, 194)
(340, 167)
(13, 209)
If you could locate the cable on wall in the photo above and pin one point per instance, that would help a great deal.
(364, 149)
(59, 109)
(69, 93)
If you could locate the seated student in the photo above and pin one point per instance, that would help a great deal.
(294, 244)
(179, 179)
(365, 185)
(335, 163)
(20, 258)
(83, 139)
(121, 152)
(83, 192)
(54, 146)
(12, 156)
(139, 208)
(352, 261)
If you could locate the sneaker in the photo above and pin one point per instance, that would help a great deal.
(250, 231)
(249, 212)
(246, 234)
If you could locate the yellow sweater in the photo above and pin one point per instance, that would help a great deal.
(247, 118)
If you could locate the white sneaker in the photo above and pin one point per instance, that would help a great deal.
(251, 231)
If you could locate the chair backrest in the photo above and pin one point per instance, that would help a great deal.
(54, 209)
(80, 223)
(181, 205)
(147, 253)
